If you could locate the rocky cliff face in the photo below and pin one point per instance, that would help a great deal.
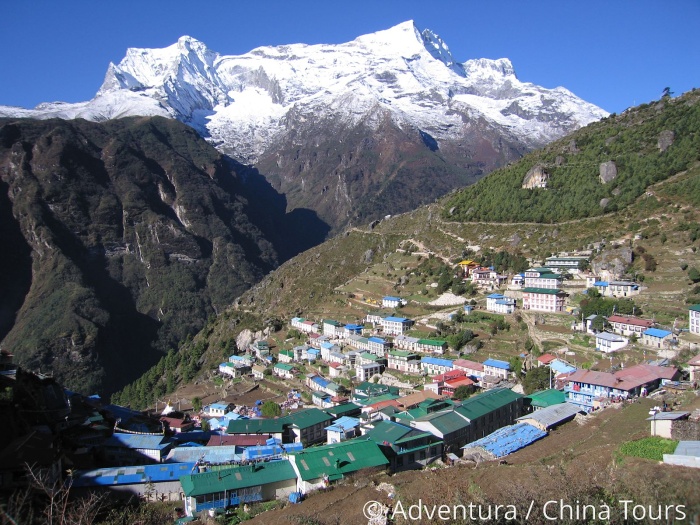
(119, 239)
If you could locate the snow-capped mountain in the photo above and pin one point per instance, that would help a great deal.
(260, 106)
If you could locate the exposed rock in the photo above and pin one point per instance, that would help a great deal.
(615, 260)
(452, 210)
(608, 171)
(559, 161)
(604, 202)
(666, 139)
(369, 254)
(537, 177)
(616, 191)
(573, 148)
(373, 224)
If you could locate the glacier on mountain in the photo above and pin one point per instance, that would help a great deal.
(244, 103)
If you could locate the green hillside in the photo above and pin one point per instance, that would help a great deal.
(633, 141)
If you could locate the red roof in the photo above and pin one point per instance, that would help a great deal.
(545, 359)
(459, 381)
(626, 379)
(310, 323)
(695, 361)
(238, 440)
(471, 365)
(643, 371)
(452, 374)
(334, 365)
(636, 321)
(174, 422)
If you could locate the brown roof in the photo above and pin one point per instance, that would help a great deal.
(238, 440)
(546, 358)
(465, 363)
(636, 321)
(416, 398)
(695, 361)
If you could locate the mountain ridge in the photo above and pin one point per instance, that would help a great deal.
(297, 112)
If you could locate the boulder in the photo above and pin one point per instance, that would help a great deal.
(666, 139)
(608, 171)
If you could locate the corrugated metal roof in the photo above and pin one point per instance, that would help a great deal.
(437, 361)
(497, 363)
(508, 439)
(482, 404)
(338, 459)
(138, 441)
(256, 426)
(221, 454)
(546, 398)
(237, 478)
(657, 332)
(131, 475)
(668, 416)
(308, 418)
(552, 415)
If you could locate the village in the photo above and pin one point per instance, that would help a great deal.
(323, 398)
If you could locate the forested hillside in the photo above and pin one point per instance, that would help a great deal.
(599, 169)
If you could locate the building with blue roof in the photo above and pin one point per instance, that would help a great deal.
(561, 367)
(391, 302)
(342, 428)
(657, 338)
(150, 482)
(436, 365)
(136, 449)
(213, 455)
(395, 325)
(497, 368)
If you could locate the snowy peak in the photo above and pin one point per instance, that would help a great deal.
(439, 50)
(245, 104)
(484, 67)
(403, 39)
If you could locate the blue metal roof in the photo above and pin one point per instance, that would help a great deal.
(343, 423)
(495, 296)
(561, 367)
(600, 283)
(320, 381)
(508, 439)
(506, 300)
(313, 351)
(391, 298)
(138, 441)
(656, 332)
(131, 475)
(219, 406)
(377, 340)
(396, 319)
(496, 363)
(437, 361)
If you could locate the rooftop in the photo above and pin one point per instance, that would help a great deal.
(338, 459)
(237, 478)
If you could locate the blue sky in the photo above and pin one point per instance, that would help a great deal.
(613, 53)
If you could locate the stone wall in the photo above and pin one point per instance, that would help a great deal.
(686, 430)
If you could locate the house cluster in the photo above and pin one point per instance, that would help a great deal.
(621, 329)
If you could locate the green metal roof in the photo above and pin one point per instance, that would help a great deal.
(308, 418)
(343, 410)
(288, 353)
(695, 308)
(402, 353)
(338, 459)
(376, 399)
(548, 291)
(431, 342)
(447, 421)
(332, 323)
(284, 366)
(394, 433)
(546, 398)
(482, 404)
(256, 426)
(237, 478)
(371, 357)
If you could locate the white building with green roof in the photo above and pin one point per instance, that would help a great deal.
(219, 489)
(318, 467)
